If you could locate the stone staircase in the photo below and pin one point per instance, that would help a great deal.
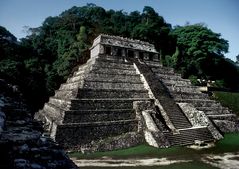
(183, 92)
(166, 80)
(95, 103)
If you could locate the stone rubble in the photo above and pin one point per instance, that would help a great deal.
(22, 145)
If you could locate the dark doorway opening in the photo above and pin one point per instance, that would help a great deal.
(119, 52)
(141, 55)
(130, 54)
(151, 56)
(108, 50)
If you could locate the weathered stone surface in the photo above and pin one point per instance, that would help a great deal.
(22, 145)
(198, 118)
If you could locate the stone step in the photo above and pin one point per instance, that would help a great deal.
(185, 95)
(96, 104)
(113, 85)
(179, 120)
(113, 71)
(106, 64)
(54, 112)
(81, 116)
(75, 78)
(66, 94)
(164, 70)
(153, 64)
(214, 110)
(79, 73)
(182, 82)
(82, 133)
(111, 59)
(119, 77)
(61, 103)
(96, 76)
(70, 86)
(184, 89)
(101, 93)
(171, 77)
(112, 93)
(222, 116)
(201, 102)
(188, 136)
(122, 78)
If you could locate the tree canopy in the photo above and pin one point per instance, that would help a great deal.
(201, 54)
(41, 61)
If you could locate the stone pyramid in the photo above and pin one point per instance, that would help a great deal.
(123, 97)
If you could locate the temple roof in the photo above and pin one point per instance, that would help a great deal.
(124, 43)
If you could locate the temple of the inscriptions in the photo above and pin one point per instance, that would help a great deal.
(123, 97)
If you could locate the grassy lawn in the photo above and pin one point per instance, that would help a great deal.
(228, 99)
(189, 165)
(230, 143)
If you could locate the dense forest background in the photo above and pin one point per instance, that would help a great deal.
(44, 59)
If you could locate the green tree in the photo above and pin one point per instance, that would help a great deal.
(201, 54)
(237, 59)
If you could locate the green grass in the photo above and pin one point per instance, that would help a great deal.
(228, 99)
(230, 143)
(188, 165)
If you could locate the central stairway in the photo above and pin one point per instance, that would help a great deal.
(184, 133)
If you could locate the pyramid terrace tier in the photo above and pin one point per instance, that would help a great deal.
(106, 77)
(101, 93)
(72, 134)
(95, 104)
(61, 116)
(102, 85)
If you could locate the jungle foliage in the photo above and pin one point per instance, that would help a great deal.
(44, 59)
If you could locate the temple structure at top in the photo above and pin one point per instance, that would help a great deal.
(125, 47)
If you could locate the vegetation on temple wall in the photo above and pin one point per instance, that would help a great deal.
(41, 61)
(228, 99)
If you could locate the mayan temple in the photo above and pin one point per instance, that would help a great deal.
(123, 97)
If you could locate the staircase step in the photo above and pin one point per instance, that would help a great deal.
(188, 136)
(170, 82)
(120, 78)
(112, 85)
(214, 110)
(95, 104)
(71, 86)
(113, 71)
(81, 116)
(54, 112)
(185, 95)
(113, 59)
(61, 103)
(171, 77)
(164, 70)
(222, 116)
(201, 102)
(112, 93)
(106, 64)
(153, 64)
(66, 94)
(188, 89)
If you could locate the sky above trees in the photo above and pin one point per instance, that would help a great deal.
(219, 15)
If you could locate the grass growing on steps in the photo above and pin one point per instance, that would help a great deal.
(230, 143)
(228, 99)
